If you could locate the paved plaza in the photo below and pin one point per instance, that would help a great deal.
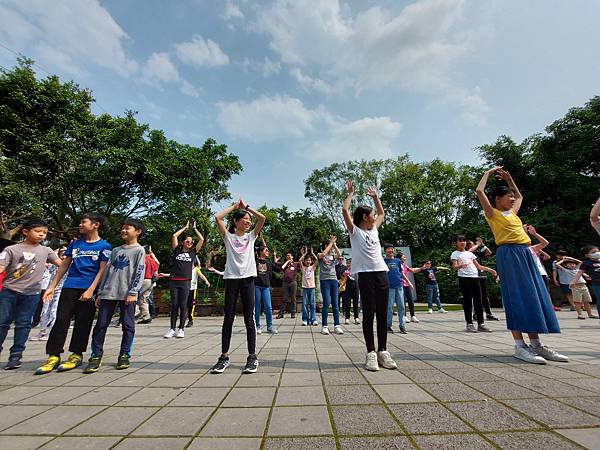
(451, 390)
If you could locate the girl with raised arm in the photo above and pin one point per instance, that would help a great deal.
(182, 265)
(329, 284)
(526, 301)
(371, 271)
(239, 273)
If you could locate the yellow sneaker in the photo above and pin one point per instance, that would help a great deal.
(71, 363)
(48, 366)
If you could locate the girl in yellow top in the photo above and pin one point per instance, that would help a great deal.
(526, 301)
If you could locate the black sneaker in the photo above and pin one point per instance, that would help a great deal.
(221, 365)
(251, 364)
(118, 324)
(123, 362)
(94, 364)
(403, 330)
(491, 317)
(189, 324)
(390, 330)
(14, 362)
(145, 321)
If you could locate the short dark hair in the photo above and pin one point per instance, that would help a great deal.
(359, 212)
(427, 261)
(34, 223)
(499, 191)
(102, 222)
(561, 253)
(586, 249)
(388, 245)
(237, 215)
(135, 223)
(459, 237)
(260, 249)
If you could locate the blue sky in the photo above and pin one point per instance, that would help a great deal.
(293, 85)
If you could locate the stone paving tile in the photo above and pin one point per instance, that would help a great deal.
(174, 421)
(503, 389)
(402, 393)
(553, 413)
(350, 376)
(285, 421)
(103, 396)
(13, 414)
(254, 396)
(300, 379)
(57, 395)
(530, 440)
(18, 393)
(313, 443)
(586, 437)
(428, 418)
(98, 378)
(472, 374)
(553, 388)
(147, 443)
(428, 376)
(379, 443)
(217, 380)
(300, 395)
(351, 395)
(114, 421)
(386, 377)
(22, 442)
(237, 422)
(226, 444)
(55, 379)
(201, 397)
(54, 421)
(491, 416)
(82, 443)
(151, 397)
(175, 380)
(453, 442)
(259, 380)
(453, 392)
(364, 420)
(591, 405)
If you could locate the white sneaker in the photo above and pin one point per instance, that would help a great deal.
(347, 321)
(581, 315)
(385, 359)
(258, 331)
(414, 319)
(338, 329)
(471, 328)
(180, 333)
(325, 330)
(304, 323)
(357, 321)
(371, 363)
(314, 323)
(442, 311)
(430, 311)
(528, 355)
(549, 354)
(170, 334)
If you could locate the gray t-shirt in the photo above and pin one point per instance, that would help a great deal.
(25, 266)
(327, 268)
(124, 273)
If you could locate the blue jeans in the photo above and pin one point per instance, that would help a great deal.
(262, 296)
(396, 296)
(596, 290)
(329, 291)
(433, 295)
(17, 308)
(105, 313)
(309, 313)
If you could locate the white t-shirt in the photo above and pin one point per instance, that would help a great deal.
(538, 263)
(366, 251)
(469, 271)
(240, 255)
(194, 281)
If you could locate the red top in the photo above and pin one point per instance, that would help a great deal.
(151, 266)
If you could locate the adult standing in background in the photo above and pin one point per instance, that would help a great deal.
(481, 251)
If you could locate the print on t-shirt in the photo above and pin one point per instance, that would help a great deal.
(240, 243)
(26, 265)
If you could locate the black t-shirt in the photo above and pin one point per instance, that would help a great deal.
(592, 268)
(430, 275)
(264, 272)
(182, 263)
(339, 270)
(480, 257)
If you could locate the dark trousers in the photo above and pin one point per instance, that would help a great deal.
(485, 300)
(408, 298)
(191, 302)
(69, 305)
(288, 298)
(471, 292)
(373, 287)
(105, 313)
(350, 295)
(245, 288)
(151, 305)
(38, 311)
(180, 289)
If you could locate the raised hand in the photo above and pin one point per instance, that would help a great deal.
(530, 229)
(502, 174)
(187, 225)
(194, 226)
(350, 187)
(333, 238)
(372, 192)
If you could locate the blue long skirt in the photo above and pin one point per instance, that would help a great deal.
(527, 304)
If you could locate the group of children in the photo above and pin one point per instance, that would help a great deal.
(93, 275)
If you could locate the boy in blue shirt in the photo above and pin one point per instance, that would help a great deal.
(85, 261)
(395, 290)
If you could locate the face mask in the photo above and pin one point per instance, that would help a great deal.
(595, 255)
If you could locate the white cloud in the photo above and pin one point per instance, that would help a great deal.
(232, 11)
(189, 89)
(266, 118)
(201, 52)
(373, 49)
(66, 33)
(266, 67)
(309, 83)
(159, 69)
